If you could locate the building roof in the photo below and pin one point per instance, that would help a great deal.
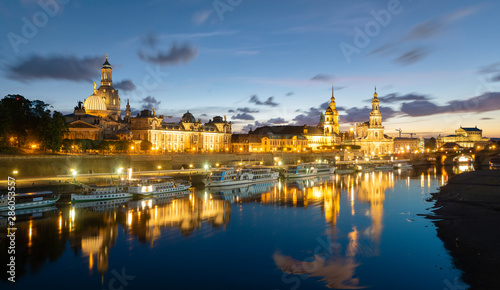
(266, 130)
(188, 118)
(470, 129)
(82, 125)
(94, 103)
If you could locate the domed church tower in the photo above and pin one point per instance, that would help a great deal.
(107, 93)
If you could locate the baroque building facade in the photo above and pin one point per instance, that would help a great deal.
(370, 135)
(189, 135)
(465, 137)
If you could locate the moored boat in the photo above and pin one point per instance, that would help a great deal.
(93, 193)
(402, 165)
(29, 200)
(156, 185)
(308, 169)
(231, 176)
(382, 167)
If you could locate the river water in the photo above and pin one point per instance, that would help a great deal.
(362, 230)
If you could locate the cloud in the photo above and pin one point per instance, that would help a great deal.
(493, 70)
(483, 103)
(243, 116)
(289, 94)
(322, 78)
(150, 40)
(247, 110)
(486, 118)
(433, 27)
(275, 121)
(231, 111)
(355, 114)
(59, 67)
(203, 115)
(412, 56)
(150, 102)
(125, 85)
(175, 55)
(269, 102)
(310, 117)
(417, 34)
(394, 98)
(201, 16)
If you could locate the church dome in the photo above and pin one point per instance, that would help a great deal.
(329, 111)
(94, 103)
(188, 118)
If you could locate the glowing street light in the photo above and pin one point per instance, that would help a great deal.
(73, 172)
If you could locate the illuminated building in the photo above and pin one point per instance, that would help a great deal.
(465, 137)
(370, 135)
(408, 145)
(189, 135)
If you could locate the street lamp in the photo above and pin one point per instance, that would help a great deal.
(73, 172)
(120, 170)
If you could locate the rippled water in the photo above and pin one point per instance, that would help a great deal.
(340, 231)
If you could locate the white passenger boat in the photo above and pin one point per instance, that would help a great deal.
(235, 176)
(383, 167)
(308, 169)
(93, 193)
(29, 200)
(402, 165)
(156, 185)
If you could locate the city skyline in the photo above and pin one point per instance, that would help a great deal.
(264, 63)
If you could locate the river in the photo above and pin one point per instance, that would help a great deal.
(364, 230)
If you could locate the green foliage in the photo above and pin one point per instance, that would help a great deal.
(23, 120)
(146, 145)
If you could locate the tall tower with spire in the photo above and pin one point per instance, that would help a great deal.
(107, 93)
(331, 124)
(128, 113)
(375, 115)
(106, 74)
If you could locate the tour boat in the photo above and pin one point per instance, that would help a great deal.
(381, 167)
(29, 200)
(342, 169)
(156, 185)
(93, 192)
(235, 176)
(402, 165)
(365, 168)
(237, 193)
(308, 169)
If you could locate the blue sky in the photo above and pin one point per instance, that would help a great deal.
(436, 65)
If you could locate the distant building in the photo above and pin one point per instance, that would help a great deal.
(189, 135)
(276, 139)
(466, 137)
(408, 145)
(370, 135)
(100, 111)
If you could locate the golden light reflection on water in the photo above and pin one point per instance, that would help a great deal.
(92, 228)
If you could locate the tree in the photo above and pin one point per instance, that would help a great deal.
(430, 144)
(146, 145)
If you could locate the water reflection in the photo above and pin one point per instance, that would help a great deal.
(337, 267)
(91, 230)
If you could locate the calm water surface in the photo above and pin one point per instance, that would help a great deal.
(342, 231)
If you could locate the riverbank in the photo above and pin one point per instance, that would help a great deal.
(467, 217)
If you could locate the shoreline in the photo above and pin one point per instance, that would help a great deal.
(467, 219)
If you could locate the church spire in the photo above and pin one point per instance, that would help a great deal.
(375, 95)
(333, 98)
